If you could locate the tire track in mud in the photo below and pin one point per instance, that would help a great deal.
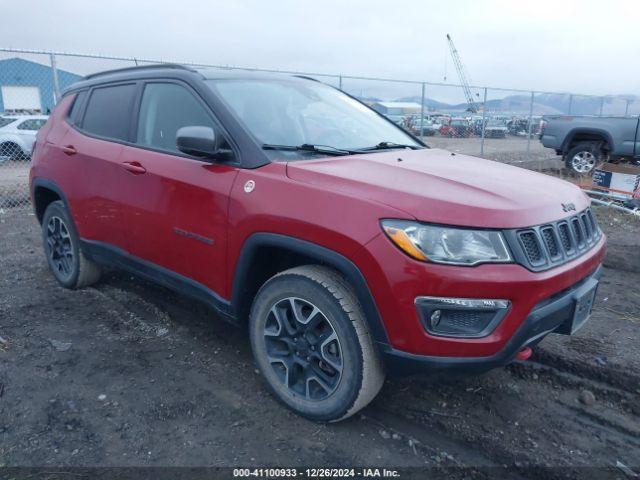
(142, 319)
(625, 380)
(545, 426)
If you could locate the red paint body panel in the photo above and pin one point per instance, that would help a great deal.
(168, 214)
(178, 194)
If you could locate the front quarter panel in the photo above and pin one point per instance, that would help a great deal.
(278, 204)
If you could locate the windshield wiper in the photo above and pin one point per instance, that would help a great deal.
(308, 147)
(388, 146)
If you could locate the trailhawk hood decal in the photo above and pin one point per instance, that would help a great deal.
(434, 185)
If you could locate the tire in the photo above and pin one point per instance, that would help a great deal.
(583, 158)
(62, 248)
(311, 344)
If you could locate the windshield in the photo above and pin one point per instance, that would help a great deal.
(294, 112)
(4, 121)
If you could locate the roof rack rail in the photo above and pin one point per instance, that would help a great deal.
(140, 67)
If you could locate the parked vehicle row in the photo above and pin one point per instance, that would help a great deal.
(18, 134)
(466, 127)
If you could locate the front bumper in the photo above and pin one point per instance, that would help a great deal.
(553, 314)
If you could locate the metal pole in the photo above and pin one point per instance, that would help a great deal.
(530, 125)
(54, 74)
(570, 104)
(484, 116)
(339, 82)
(601, 105)
(626, 109)
(422, 112)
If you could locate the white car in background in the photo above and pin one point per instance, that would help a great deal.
(17, 135)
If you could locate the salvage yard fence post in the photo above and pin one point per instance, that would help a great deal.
(484, 119)
(530, 122)
(422, 98)
(601, 105)
(570, 104)
(54, 77)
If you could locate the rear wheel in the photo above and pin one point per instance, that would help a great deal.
(12, 151)
(583, 158)
(311, 344)
(62, 247)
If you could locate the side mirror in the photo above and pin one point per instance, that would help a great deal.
(198, 141)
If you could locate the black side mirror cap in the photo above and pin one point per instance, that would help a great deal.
(199, 141)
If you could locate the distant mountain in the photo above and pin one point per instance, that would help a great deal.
(545, 104)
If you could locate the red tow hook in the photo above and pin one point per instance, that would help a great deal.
(524, 354)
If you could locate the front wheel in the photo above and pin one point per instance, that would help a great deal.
(312, 345)
(583, 158)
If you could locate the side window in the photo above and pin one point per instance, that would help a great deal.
(76, 108)
(33, 124)
(165, 108)
(109, 110)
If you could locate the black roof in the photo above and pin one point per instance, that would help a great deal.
(170, 70)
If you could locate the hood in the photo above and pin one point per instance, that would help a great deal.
(437, 186)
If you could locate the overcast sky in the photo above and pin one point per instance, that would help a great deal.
(579, 46)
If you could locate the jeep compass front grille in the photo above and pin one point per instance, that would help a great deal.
(531, 246)
(552, 244)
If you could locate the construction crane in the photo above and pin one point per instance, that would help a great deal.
(463, 77)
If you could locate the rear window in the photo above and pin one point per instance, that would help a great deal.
(108, 111)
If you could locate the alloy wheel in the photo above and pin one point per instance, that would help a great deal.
(303, 348)
(583, 162)
(60, 247)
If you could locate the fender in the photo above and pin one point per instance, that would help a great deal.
(569, 138)
(318, 254)
(49, 185)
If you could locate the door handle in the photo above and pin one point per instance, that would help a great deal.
(134, 167)
(69, 150)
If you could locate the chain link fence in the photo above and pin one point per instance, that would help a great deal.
(498, 124)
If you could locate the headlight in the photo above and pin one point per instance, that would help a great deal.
(455, 246)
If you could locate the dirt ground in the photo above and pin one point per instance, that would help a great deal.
(129, 374)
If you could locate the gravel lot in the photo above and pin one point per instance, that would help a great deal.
(128, 374)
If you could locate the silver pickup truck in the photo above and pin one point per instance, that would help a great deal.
(585, 141)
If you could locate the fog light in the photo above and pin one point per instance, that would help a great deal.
(435, 317)
(460, 317)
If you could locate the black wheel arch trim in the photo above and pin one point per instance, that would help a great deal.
(48, 185)
(595, 131)
(319, 254)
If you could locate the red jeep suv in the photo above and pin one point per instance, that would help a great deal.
(349, 248)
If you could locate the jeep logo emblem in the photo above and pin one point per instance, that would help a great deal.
(568, 207)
